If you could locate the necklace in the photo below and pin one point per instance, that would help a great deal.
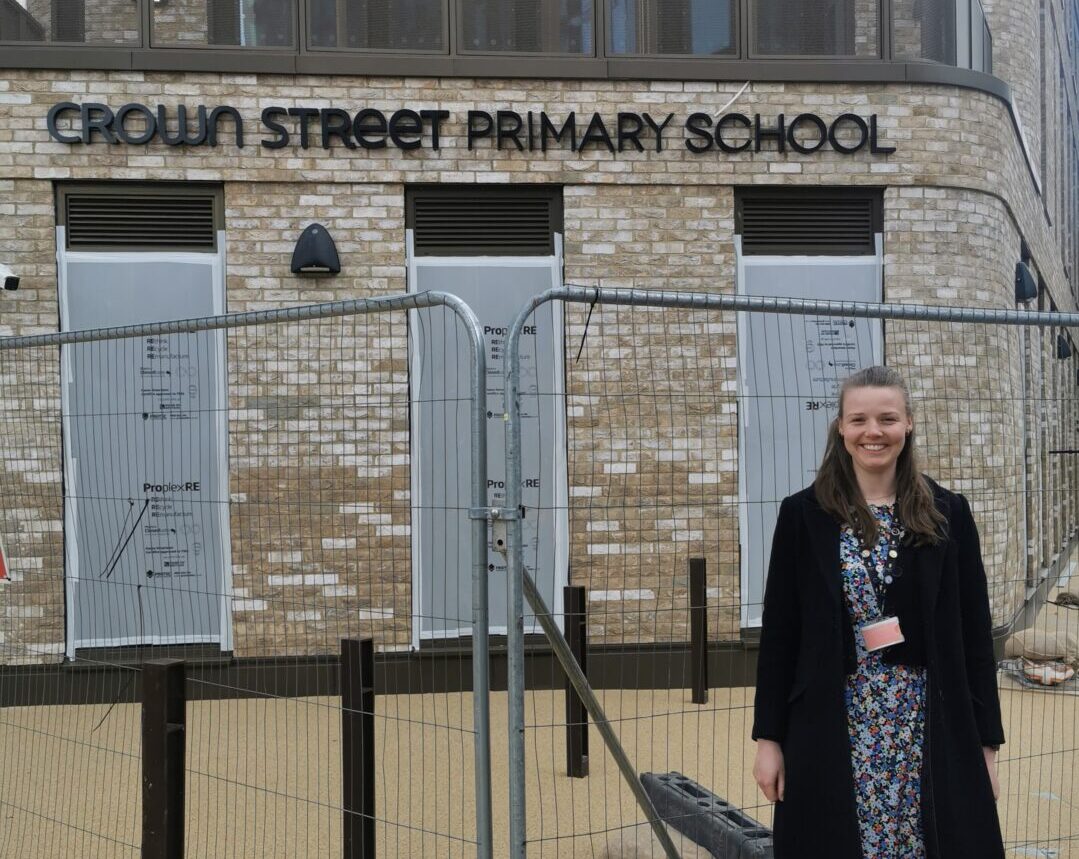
(884, 565)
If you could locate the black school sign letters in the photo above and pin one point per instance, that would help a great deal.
(409, 128)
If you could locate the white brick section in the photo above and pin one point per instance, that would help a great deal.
(631, 595)
(338, 542)
(275, 581)
(375, 614)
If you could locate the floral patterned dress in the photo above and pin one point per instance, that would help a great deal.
(885, 713)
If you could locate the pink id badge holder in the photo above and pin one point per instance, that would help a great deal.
(881, 633)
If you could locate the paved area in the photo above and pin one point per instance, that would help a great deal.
(264, 775)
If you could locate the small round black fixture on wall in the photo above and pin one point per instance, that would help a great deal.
(315, 253)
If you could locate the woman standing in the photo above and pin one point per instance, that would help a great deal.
(877, 718)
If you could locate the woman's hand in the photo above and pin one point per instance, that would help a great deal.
(768, 769)
(991, 766)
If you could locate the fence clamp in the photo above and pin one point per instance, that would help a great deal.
(499, 518)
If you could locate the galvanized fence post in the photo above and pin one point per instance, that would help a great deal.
(515, 656)
(480, 620)
(519, 587)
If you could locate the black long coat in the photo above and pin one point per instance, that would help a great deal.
(807, 649)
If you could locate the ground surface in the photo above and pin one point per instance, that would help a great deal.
(264, 775)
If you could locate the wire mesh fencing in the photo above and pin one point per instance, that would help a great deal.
(687, 419)
(295, 505)
(246, 494)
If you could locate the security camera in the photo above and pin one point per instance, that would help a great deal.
(11, 280)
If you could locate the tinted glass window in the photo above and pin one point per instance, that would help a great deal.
(703, 27)
(539, 26)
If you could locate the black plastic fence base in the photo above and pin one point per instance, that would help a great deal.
(705, 818)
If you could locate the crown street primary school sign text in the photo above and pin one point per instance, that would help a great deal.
(406, 128)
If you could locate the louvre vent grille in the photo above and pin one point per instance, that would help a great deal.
(140, 222)
(486, 222)
(809, 224)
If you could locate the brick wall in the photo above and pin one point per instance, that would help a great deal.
(648, 488)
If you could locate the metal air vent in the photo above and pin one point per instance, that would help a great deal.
(140, 219)
(507, 221)
(833, 223)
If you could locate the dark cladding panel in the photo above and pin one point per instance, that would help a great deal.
(825, 222)
(115, 218)
(471, 221)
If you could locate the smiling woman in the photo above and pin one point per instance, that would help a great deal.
(861, 635)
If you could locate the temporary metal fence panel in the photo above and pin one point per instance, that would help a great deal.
(235, 492)
(660, 390)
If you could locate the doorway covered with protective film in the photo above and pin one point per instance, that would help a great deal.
(495, 248)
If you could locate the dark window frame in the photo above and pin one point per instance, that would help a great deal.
(302, 57)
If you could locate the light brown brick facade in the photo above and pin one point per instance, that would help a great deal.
(649, 487)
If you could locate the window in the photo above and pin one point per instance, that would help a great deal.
(924, 30)
(527, 26)
(815, 28)
(403, 25)
(699, 27)
(18, 25)
(240, 23)
(68, 21)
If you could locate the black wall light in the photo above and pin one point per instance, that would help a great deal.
(1026, 287)
(1064, 348)
(315, 252)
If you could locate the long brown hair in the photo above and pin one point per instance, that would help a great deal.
(836, 486)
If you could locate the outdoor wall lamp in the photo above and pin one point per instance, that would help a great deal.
(1064, 348)
(315, 252)
(1026, 288)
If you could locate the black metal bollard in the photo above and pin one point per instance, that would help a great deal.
(164, 712)
(358, 746)
(698, 630)
(576, 714)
